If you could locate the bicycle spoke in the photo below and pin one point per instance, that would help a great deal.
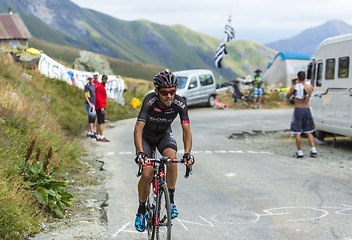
(163, 230)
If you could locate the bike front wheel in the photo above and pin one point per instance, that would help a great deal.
(150, 220)
(163, 226)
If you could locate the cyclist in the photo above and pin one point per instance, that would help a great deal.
(153, 129)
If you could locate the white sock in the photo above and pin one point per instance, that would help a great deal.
(98, 136)
(102, 137)
(314, 150)
(300, 153)
(89, 133)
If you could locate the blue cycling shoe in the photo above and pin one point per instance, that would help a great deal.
(139, 223)
(174, 212)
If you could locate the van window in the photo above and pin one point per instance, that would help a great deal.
(193, 83)
(319, 74)
(206, 79)
(330, 68)
(311, 73)
(344, 65)
(181, 82)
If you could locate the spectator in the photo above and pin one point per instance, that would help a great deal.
(100, 105)
(302, 120)
(96, 79)
(257, 89)
(96, 83)
(89, 95)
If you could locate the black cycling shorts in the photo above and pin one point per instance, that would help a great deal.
(160, 141)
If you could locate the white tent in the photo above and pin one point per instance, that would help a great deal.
(284, 68)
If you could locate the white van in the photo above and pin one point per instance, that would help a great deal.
(330, 74)
(196, 86)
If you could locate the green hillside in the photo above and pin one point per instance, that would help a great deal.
(66, 55)
(174, 47)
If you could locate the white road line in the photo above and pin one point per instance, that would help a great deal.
(200, 151)
(120, 230)
(212, 225)
(265, 152)
(230, 174)
(220, 151)
(182, 224)
(125, 153)
(196, 152)
(209, 224)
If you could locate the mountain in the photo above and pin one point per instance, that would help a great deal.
(67, 55)
(175, 47)
(308, 40)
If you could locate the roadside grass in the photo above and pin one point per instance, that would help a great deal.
(270, 100)
(38, 114)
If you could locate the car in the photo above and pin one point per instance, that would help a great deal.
(196, 86)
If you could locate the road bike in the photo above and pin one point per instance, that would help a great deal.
(158, 208)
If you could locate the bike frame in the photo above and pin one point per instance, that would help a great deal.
(158, 182)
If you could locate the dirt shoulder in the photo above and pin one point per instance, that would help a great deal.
(86, 219)
(336, 153)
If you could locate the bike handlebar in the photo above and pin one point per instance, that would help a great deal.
(165, 160)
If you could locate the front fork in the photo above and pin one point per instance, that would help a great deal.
(156, 188)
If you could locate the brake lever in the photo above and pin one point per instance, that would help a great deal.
(140, 170)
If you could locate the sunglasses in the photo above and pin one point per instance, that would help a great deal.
(166, 92)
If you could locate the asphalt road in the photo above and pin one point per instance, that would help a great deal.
(236, 191)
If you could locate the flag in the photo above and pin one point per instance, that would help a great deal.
(220, 53)
(221, 50)
(230, 32)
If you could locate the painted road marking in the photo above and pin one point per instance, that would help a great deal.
(110, 153)
(125, 153)
(230, 174)
(121, 230)
(249, 217)
(207, 152)
(180, 222)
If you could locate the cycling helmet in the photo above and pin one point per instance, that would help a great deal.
(165, 79)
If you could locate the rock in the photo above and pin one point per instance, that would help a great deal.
(30, 61)
(91, 62)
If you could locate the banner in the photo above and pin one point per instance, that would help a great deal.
(52, 69)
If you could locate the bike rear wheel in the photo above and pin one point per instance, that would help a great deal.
(163, 228)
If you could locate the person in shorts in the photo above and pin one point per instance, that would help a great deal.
(100, 107)
(153, 129)
(89, 95)
(302, 121)
(257, 82)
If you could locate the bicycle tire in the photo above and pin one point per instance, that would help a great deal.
(150, 219)
(163, 229)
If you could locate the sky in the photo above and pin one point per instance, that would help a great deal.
(261, 21)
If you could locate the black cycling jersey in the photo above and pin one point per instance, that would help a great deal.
(158, 118)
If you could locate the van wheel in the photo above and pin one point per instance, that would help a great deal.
(320, 135)
(211, 102)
